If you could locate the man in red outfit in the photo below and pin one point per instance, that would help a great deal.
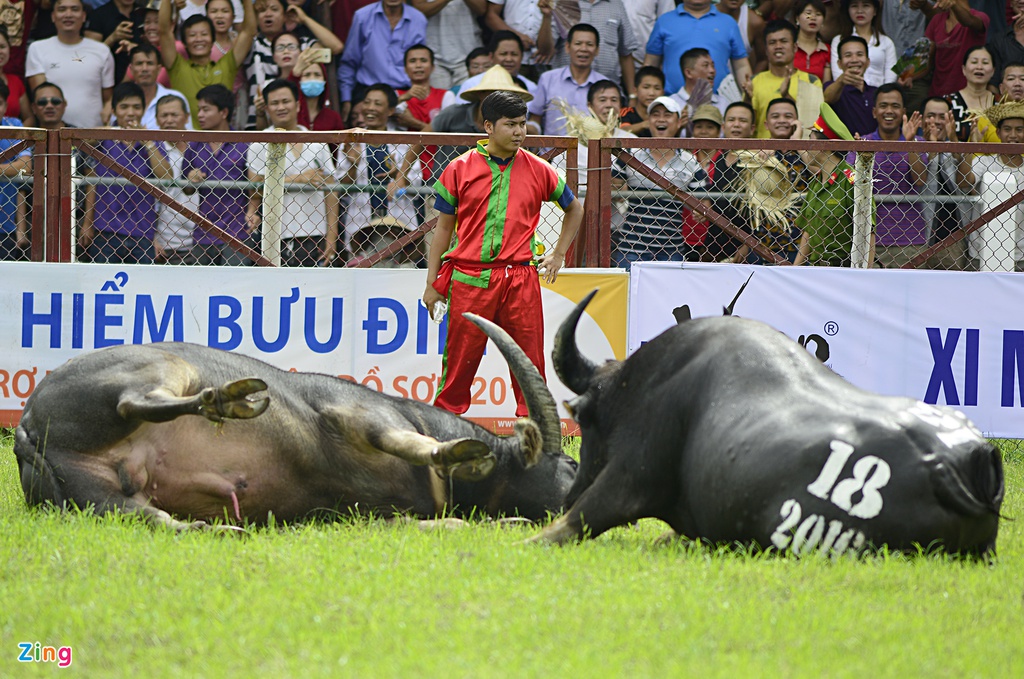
(495, 192)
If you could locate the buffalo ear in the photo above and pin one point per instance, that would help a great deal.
(682, 313)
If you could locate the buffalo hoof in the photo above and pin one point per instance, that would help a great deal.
(464, 459)
(230, 400)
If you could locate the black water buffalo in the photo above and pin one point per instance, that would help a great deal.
(182, 432)
(730, 432)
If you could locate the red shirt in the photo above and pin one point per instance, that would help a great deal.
(424, 110)
(813, 63)
(950, 48)
(497, 208)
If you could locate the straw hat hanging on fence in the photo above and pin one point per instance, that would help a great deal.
(768, 189)
(999, 111)
(585, 125)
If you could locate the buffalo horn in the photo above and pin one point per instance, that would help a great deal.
(543, 410)
(574, 369)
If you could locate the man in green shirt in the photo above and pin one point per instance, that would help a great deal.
(188, 76)
(827, 214)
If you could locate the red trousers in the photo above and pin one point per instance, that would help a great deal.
(512, 301)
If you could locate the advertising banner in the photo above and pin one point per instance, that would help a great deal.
(945, 337)
(365, 325)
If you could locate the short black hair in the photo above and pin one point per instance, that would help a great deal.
(278, 84)
(742, 104)
(585, 28)
(219, 96)
(144, 48)
(474, 53)
(1013, 64)
(776, 25)
(385, 89)
(653, 72)
(942, 100)
(197, 19)
(891, 87)
(780, 100)
(502, 104)
(47, 83)
(847, 39)
(688, 58)
(418, 46)
(499, 37)
(126, 90)
(601, 86)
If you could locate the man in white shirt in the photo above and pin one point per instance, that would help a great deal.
(174, 239)
(309, 219)
(83, 68)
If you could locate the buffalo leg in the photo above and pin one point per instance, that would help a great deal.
(466, 459)
(610, 501)
(214, 403)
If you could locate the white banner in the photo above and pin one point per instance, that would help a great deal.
(953, 338)
(368, 325)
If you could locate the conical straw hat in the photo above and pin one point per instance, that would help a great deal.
(496, 79)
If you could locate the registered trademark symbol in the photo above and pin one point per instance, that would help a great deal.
(831, 328)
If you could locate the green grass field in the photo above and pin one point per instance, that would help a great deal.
(370, 599)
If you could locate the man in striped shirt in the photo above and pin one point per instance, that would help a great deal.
(490, 198)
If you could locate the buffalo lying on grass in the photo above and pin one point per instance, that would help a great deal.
(730, 432)
(181, 433)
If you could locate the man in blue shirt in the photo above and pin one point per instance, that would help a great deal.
(697, 23)
(375, 51)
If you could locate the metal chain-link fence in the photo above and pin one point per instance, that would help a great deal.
(281, 199)
(20, 181)
(822, 203)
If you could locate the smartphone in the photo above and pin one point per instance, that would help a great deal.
(320, 55)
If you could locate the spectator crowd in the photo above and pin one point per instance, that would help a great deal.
(948, 70)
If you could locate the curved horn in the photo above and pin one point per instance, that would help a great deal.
(574, 369)
(542, 406)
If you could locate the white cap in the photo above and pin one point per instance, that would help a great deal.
(671, 104)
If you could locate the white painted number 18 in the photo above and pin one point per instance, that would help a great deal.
(870, 474)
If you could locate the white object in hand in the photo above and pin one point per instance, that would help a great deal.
(440, 309)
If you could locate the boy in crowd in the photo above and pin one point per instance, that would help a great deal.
(120, 221)
(781, 79)
(218, 161)
(650, 84)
